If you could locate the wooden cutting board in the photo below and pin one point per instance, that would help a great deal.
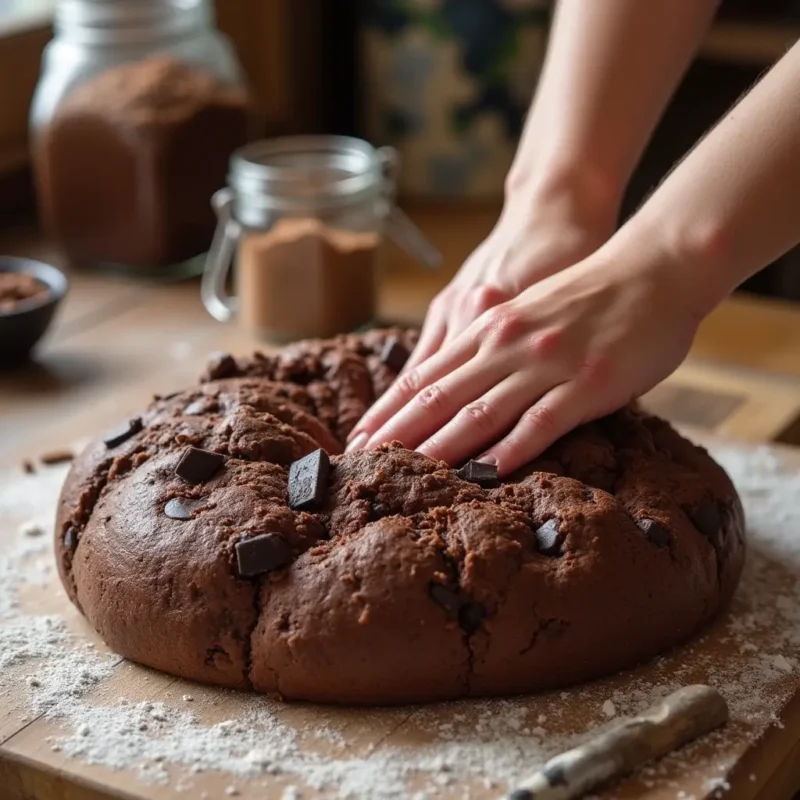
(116, 345)
(465, 749)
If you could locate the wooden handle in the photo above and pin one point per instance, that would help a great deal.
(688, 713)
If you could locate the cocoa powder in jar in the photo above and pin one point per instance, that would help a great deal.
(303, 278)
(127, 166)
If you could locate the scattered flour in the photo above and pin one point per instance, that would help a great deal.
(489, 743)
(609, 709)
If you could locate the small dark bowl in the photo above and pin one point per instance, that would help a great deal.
(22, 328)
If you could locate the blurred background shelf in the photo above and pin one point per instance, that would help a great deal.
(309, 69)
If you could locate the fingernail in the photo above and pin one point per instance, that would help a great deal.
(358, 442)
(487, 458)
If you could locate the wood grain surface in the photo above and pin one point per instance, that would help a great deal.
(117, 342)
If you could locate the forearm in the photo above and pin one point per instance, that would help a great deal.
(731, 207)
(610, 69)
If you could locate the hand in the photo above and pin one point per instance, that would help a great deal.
(572, 348)
(533, 239)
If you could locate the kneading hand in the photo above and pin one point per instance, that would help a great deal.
(531, 241)
(572, 348)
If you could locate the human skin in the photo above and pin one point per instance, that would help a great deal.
(586, 340)
(610, 70)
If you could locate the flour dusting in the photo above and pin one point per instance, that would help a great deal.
(488, 745)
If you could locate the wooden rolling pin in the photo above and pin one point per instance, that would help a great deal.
(688, 713)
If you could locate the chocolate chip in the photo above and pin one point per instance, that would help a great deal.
(548, 539)
(483, 474)
(308, 481)
(555, 775)
(706, 518)
(70, 539)
(444, 597)
(655, 532)
(471, 616)
(394, 355)
(221, 365)
(124, 432)
(266, 552)
(197, 466)
(180, 508)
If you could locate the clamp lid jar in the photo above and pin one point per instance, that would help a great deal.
(304, 218)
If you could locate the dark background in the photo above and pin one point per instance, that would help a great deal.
(707, 91)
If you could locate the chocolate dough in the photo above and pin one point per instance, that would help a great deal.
(401, 579)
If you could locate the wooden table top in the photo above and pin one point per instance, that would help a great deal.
(117, 342)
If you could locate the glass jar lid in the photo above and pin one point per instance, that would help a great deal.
(306, 173)
(121, 21)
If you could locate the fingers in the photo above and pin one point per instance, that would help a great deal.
(469, 306)
(555, 414)
(483, 421)
(408, 386)
(451, 313)
(436, 404)
(434, 329)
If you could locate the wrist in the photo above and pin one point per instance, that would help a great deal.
(689, 254)
(574, 193)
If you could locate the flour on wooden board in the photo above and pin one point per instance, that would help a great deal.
(492, 743)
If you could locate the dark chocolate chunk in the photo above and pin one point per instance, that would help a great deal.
(471, 616)
(70, 539)
(394, 354)
(548, 539)
(706, 518)
(521, 794)
(180, 508)
(308, 481)
(124, 432)
(266, 552)
(221, 365)
(484, 475)
(197, 466)
(444, 597)
(555, 775)
(655, 532)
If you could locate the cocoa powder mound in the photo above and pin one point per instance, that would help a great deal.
(305, 278)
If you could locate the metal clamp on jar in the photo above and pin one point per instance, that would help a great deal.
(304, 218)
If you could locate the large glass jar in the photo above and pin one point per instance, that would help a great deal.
(138, 109)
(303, 220)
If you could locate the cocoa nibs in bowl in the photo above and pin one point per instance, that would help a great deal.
(17, 287)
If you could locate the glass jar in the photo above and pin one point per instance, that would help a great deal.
(139, 106)
(304, 219)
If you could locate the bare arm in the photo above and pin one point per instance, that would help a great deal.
(733, 205)
(585, 341)
(610, 69)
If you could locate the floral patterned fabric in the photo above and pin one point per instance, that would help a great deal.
(448, 82)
